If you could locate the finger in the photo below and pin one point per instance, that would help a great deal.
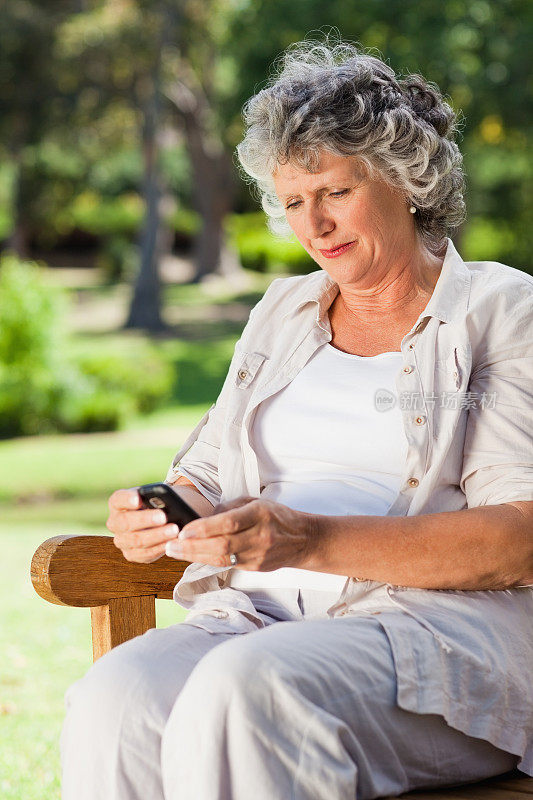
(145, 556)
(125, 500)
(217, 547)
(228, 522)
(245, 559)
(130, 521)
(144, 539)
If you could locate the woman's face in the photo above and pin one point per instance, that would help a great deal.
(355, 228)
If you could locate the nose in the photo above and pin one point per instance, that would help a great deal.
(317, 223)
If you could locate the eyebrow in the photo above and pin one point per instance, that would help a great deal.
(319, 190)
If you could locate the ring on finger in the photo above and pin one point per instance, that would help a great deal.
(233, 559)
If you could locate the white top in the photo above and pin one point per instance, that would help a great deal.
(331, 442)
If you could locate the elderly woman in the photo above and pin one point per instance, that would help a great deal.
(365, 478)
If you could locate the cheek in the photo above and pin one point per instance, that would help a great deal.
(297, 227)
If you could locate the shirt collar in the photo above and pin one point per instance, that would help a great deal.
(448, 301)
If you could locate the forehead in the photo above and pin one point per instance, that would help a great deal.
(333, 170)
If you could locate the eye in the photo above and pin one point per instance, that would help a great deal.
(294, 204)
(340, 193)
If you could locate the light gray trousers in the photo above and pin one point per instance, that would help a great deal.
(303, 709)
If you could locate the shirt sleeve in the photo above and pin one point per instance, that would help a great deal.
(498, 449)
(198, 458)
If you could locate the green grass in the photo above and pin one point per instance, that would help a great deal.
(55, 485)
(59, 484)
(41, 468)
(44, 649)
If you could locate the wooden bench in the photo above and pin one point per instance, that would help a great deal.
(89, 571)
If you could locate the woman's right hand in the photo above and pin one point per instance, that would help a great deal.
(140, 533)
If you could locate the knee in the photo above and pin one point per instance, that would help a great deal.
(107, 690)
(243, 671)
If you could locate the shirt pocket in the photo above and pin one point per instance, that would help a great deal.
(453, 371)
(249, 367)
(452, 375)
(447, 372)
(245, 383)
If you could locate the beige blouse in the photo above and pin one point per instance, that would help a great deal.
(465, 386)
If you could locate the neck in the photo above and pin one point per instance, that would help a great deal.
(405, 285)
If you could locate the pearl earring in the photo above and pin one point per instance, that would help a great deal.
(412, 209)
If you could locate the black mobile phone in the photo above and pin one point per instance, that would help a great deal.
(160, 495)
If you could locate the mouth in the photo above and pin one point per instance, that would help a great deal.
(337, 251)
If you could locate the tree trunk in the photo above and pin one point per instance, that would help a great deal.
(145, 309)
(19, 239)
(213, 194)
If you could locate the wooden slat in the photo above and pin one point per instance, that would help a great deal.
(121, 619)
(511, 786)
(89, 571)
(467, 793)
(522, 784)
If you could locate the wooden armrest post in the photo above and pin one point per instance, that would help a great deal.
(119, 620)
(89, 571)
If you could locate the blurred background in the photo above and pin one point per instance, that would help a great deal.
(131, 253)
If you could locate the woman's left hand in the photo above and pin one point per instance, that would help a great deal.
(262, 534)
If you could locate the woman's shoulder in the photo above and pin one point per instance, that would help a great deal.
(491, 276)
(499, 311)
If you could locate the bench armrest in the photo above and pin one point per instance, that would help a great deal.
(89, 571)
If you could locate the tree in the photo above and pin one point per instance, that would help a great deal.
(154, 52)
(33, 104)
(477, 52)
(199, 83)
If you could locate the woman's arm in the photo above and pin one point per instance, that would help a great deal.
(490, 547)
(193, 496)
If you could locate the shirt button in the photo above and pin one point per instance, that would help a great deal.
(412, 483)
(242, 374)
(420, 420)
(407, 370)
(411, 346)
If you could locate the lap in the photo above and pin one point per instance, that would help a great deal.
(147, 672)
(335, 676)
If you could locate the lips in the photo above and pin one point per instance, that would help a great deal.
(337, 251)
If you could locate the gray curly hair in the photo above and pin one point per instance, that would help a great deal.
(341, 99)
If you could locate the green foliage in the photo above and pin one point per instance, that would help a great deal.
(144, 376)
(185, 222)
(31, 370)
(44, 390)
(118, 258)
(261, 251)
(103, 216)
(96, 410)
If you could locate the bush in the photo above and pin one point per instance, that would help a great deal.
(260, 250)
(144, 376)
(31, 369)
(96, 411)
(43, 390)
(118, 259)
(103, 216)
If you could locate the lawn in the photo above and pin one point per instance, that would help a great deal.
(66, 481)
(58, 484)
